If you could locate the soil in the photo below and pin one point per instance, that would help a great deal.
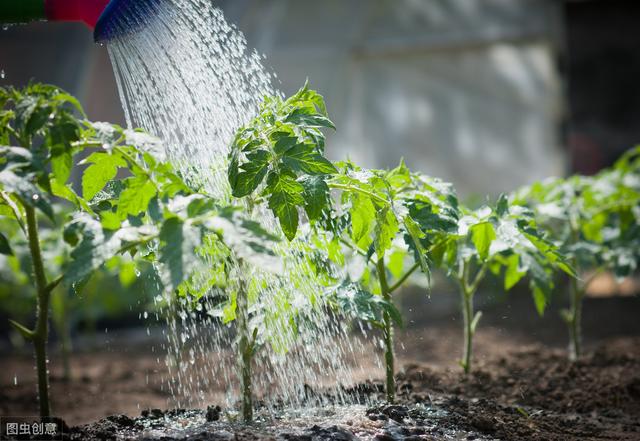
(519, 388)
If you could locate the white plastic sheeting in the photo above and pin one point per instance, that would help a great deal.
(466, 90)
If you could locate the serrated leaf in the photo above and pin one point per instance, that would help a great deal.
(28, 193)
(87, 237)
(304, 118)
(15, 158)
(110, 220)
(136, 196)
(178, 251)
(415, 239)
(61, 165)
(316, 196)
(25, 107)
(250, 174)
(304, 158)
(66, 192)
(363, 305)
(284, 143)
(103, 169)
(385, 230)
(482, 235)
(512, 274)
(363, 215)
(284, 200)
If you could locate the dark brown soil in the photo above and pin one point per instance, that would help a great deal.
(529, 394)
(518, 390)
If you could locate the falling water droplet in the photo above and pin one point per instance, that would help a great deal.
(35, 197)
(15, 379)
(2, 74)
(145, 315)
(172, 97)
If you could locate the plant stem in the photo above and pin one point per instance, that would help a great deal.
(63, 330)
(467, 291)
(41, 332)
(467, 315)
(575, 321)
(245, 347)
(575, 315)
(388, 334)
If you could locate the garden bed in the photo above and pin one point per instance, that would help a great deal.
(518, 390)
(533, 393)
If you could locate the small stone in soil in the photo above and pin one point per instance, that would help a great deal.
(213, 413)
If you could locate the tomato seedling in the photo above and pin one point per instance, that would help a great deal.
(595, 221)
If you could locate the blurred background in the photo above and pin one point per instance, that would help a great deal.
(488, 94)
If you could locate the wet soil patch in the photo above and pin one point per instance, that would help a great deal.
(529, 394)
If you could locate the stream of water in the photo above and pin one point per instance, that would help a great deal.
(188, 77)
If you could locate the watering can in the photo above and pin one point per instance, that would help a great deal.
(108, 18)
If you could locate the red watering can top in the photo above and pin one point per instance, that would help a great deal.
(86, 11)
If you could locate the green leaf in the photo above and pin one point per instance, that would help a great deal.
(512, 274)
(540, 299)
(28, 193)
(24, 109)
(363, 215)
(110, 220)
(5, 248)
(304, 158)
(386, 229)
(303, 118)
(28, 334)
(65, 192)
(89, 253)
(178, 250)
(127, 274)
(363, 305)
(229, 310)
(284, 143)
(285, 198)
(482, 235)
(416, 236)
(253, 172)
(502, 207)
(316, 196)
(136, 196)
(15, 158)
(103, 169)
(61, 165)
